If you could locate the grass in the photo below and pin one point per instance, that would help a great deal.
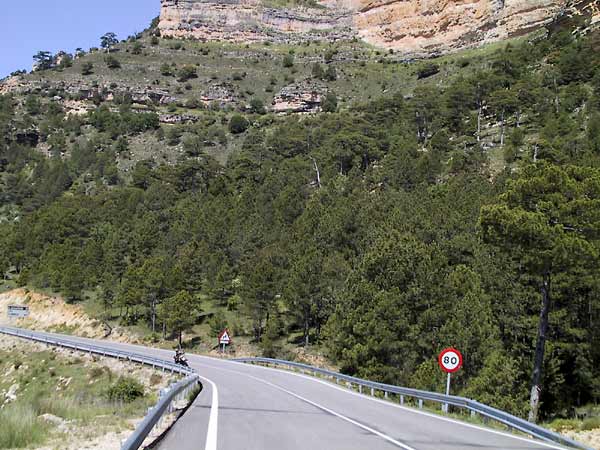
(21, 428)
(49, 383)
(587, 424)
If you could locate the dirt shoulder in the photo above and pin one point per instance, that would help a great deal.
(53, 314)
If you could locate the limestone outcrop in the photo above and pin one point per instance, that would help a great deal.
(415, 27)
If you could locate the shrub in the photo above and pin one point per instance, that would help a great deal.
(288, 61)
(331, 74)
(257, 106)
(238, 124)
(137, 48)
(155, 379)
(427, 70)
(238, 76)
(330, 103)
(166, 70)
(317, 71)
(87, 68)
(186, 73)
(126, 389)
(591, 424)
(112, 62)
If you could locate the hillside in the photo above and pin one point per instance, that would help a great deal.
(416, 28)
(324, 196)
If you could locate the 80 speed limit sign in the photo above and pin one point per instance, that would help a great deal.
(450, 360)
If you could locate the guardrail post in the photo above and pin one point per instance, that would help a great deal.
(420, 403)
(360, 388)
(385, 394)
(372, 392)
(473, 414)
(402, 399)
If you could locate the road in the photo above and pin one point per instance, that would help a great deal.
(244, 407)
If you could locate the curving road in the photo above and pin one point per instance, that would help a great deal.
(245, 407)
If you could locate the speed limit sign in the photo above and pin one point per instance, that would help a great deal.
(450, 360)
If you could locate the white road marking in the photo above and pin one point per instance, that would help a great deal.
(395, 405)
(416, 411)
(327, 410)
(211, 433)
(211, 442)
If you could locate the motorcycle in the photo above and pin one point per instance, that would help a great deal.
(180, 359)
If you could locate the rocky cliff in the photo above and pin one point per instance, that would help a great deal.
(415, 27)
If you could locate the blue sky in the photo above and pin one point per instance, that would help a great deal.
(29, 26)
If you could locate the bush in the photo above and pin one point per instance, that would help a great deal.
(137, 48)
(112, 62)
(87, 68)
(591, 424)
(126, 389)
(155, 379)
(427, 70)
(238, 124)
(330, 103)
(288, 61)
(257, 106)
(166, 70)
(331, 74)
(186, 73)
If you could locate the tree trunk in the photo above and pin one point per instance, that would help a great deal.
(306, 332)
(180, 337)
(479, 112)
(540, 347)
(153, 314)
(502, 129)
(317, 171)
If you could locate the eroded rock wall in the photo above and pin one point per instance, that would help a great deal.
(417, 27)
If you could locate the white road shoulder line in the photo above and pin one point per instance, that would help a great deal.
(404, 408)
(211, 433)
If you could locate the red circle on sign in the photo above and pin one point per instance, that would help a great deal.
(450, 360)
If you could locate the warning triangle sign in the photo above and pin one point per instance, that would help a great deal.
(224, 337)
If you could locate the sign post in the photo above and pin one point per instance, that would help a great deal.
(450, 361)
(224, 339)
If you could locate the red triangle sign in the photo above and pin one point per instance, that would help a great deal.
(224, 337)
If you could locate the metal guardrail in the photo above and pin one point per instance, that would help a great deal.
(155, 414)
(460, 402)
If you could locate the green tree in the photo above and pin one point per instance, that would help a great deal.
(548, 219)
(330, 73)
(43, 60)
(258, 291)
(179, 313)
(108, 41)
(330, 103)
(238, 124)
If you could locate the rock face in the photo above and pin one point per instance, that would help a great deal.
(417, 27)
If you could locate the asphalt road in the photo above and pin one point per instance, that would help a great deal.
(244, 407)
